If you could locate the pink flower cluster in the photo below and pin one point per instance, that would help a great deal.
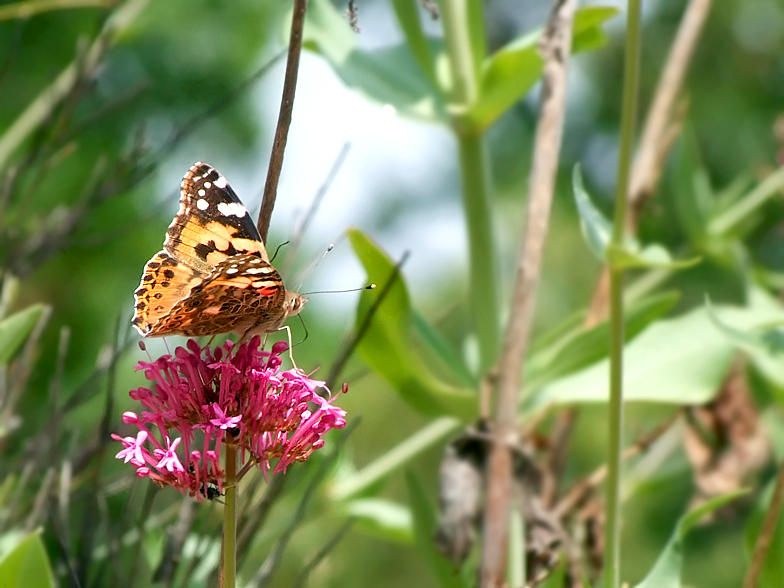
(235, 394)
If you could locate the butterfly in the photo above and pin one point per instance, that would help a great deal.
(213, 275)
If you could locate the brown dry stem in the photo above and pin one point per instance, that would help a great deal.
(284, 118)
(555, 47)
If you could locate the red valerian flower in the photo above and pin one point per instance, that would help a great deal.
(203, 398)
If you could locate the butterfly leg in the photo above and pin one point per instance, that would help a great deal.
(291, 355)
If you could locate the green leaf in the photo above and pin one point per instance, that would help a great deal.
(382, 518)
(674, 361)
(513, 70)
(597, 230)
(387, 345)
(694, 201)
(15, 329)
(666, 572)
(389, 76)
(425, 522)
(27, 565)
(579, 347)
(440, 353)
(631, 256)
(763, 345)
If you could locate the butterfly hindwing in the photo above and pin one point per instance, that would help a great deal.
(242, 293)
(165, 282)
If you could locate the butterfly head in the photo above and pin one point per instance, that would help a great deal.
(294, 303)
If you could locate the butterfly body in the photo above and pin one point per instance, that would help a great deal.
(213, 275)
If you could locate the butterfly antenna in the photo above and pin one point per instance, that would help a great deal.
(305, 274)
(368, 287)
(278, 249)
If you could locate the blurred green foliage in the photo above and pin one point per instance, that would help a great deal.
(83, 205)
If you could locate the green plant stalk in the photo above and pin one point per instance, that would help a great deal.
(483, 294)
(612, 515)
(612, 531)
(458, 48)
(474, 170)
(229, 571)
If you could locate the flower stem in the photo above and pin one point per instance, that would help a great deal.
(612, 554)
(229, 572)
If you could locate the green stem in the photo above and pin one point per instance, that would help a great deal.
(614, 443)
(474, 169)
(457, 38)
(612, 551)
(483, 295)
(229, 572)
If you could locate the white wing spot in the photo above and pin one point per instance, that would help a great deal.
(221, 182)
(208, 185)
(231, 208)
(232, 270)
(201, 192)
(202, 204)
(257, 270)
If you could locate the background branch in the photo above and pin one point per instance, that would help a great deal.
(555, 48)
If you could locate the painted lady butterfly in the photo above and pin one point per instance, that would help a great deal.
(213, 275)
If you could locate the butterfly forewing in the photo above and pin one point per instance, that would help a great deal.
(212, 224)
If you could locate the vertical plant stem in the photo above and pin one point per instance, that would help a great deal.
(555, 48)
(284, 118)
(229, 570)
(458, 46)
(475, 177)
(628, 119)
(483, 292)
(615, 442)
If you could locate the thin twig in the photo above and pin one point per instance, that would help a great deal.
(555, 48)
(212, 110)
(581, 489)
(257, 518)
(314, 206)
(329, 545)
(765, 537)
(345, 354)
(647, 164)
(270, 565)
(284, 118)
